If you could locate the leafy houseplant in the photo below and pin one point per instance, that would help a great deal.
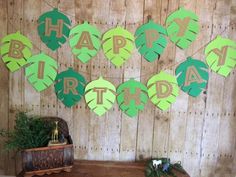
(166, 169)
(29, 132)
(30, 136)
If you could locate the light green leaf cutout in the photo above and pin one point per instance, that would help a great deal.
(20, 50)
(41, 72)
(132, 97)
(151, 40)
(118, 45)
(100, 95)
(69, 87)
(192, 76)
(162, 90)
(57, 20)
(221, 55)
(85, 41)
(182, 27)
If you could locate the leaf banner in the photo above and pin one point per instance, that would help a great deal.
(192, 76)
(100, 95)
(15, 50)
(85, 41)
(182, 27)
(69, 87)
(41, 72)
(53, 28)
(151, 40)
(118, 45)
(221, 55)
(132, 97)
(162, 90)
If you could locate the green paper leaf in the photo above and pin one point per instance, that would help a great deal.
(85, 41)
(55, 20)
(69, 87)
(162, 90)
(182, 27)
(192, 76)
(151, 40)
(15, 50)
(100, 95)
(132, 97)
(41, 72)
(221, 55)
(118, 45)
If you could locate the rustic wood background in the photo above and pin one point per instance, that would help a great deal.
(200, 132)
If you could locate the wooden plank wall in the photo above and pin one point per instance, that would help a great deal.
(200, 132)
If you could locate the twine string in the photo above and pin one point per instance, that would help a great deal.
(143, 75)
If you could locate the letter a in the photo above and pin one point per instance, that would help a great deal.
(192, 76)
(85, 41)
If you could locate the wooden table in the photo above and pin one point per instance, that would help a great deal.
(103, 169)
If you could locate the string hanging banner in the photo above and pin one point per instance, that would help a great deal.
(192, 76)
(41, 71)
(182, 27)
(132, 97)
(15, 50)
(69, 87)
(150, 39)
(221, 55)
(53, 28)
(85, 41)
(100, 95)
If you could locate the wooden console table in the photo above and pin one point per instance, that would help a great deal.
(106, 169)
(103, 169)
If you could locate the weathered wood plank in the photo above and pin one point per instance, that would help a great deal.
(211, 128)
(233, 91)
(196, 106)
(16, 79)
(31, 14)
(4, 86)
(98, 131)
(177, 112)
(161, 119)
(112, 119)
(227, 132)
(48, 99)
(65, 60)
(82, 113)
(134, 11)
(84, 12)
(144, 148)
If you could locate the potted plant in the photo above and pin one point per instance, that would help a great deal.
(31, 136)
(161, 167)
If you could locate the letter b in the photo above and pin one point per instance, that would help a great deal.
(16, 48)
